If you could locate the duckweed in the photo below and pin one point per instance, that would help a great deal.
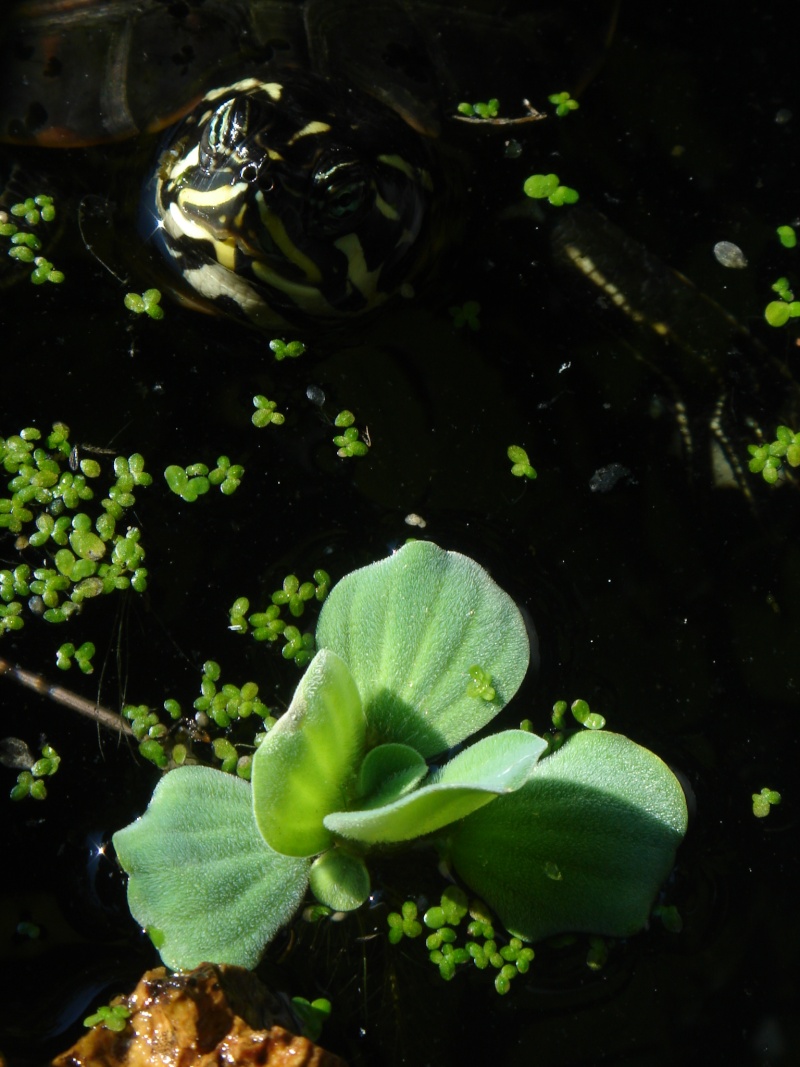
(286, 349)
(548, 187)
(767, 459)
(448, 949)
(486, 110)
(349, 443)
(146, 303)
(764, 801)
(520, 464)
(266, 412)
(45, 509)
(29, 783)
(564, 103)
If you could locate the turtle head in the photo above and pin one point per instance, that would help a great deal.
(292, 201)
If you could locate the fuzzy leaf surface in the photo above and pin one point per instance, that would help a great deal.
(202, 880)
(410, 627)
(307, 763)
(584, 845)
(496, 765)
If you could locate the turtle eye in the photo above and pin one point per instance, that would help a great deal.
(345, 200)
(224, 131)
(340, 192)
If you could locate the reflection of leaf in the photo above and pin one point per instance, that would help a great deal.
(304, 766)
(498, 764)
(202, 876)
(410, 627)
(602, 812)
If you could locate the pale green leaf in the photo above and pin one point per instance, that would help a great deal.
(584, 845)
(339, 880)
(307, 764)
(498, 764)
(410, 627)
(388, 772)
(203, 882)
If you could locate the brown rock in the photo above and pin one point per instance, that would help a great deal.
(210, 1016)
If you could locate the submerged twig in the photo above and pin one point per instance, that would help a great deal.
(531, 115)
(105, 717)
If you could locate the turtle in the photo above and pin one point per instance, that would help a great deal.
(290, 165)
(300, 175)
(281, 190)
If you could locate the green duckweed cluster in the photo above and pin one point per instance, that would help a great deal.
(350, 442)
(520, 464)
(196, 479)
(767, 459)
(26, 245)
(564, 103)
(146, 303)
(266, 412)
(49, 488)
(670, 917)
(30, 783)
(787, 236)
(447, 946)
(581, 712)
(110, 1017)
(480, 685)
(778, 312)
(764, 801)
(485, 110)
(548, 187)
(286, 349)
(270, 625)
(466, 315)
(82, 656)
(165, 741)
(312, 1014)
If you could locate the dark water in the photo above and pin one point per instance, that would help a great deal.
(666, 601)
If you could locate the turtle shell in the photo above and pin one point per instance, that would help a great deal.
(83, 72)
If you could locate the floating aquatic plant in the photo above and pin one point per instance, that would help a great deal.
(564, 103)
(520, 463)
(764, 801)
(349, 442)
(416, 653)
(548, 187)
(146, 303)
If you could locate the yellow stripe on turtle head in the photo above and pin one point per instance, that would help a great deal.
(283, 242)
(362, 279)
(309, 130)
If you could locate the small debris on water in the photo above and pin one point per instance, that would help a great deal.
(605, 478)
(729, 255)
(416, 520)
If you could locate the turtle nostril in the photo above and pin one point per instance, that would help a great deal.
(249, 172)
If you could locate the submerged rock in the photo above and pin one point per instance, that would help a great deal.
(211, 1015)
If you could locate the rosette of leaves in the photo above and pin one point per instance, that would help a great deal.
(577, 840)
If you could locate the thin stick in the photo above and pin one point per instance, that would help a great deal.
(110, 719)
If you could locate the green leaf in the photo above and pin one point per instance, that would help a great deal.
(307, 764)
(498, 764)
(203, 882)
(339, 880)
(410, 627)
(388, 772)
(584, 845)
